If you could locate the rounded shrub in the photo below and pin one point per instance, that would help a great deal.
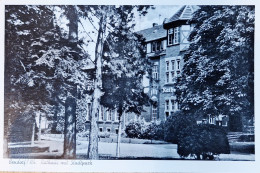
(174, 124)
(133, 129)
(203, 140)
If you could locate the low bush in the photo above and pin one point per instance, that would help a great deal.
(145, 130)
(84, 134)
(203, 140)
(133, 129)
(103, 134)
(174, 124)
(247, 138)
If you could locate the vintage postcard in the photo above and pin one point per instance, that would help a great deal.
(140, 86)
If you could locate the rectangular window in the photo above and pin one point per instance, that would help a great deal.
(155, 72)
(167, 66)
(172, 73)
(167, 77)
(100, 129)
(178, 64)
(162, 45)
(153, 46)
(170, 36)
(116, 116)
(172, 105)
(157, 46)
(166, 105)
(101, 113)
(154, 113)
(154, 90)
(109, 115)
(173, 63)
(176, 38)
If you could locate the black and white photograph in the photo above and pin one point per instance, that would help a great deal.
(129, 82)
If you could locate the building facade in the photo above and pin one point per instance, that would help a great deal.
(165, 47)
(166, 44)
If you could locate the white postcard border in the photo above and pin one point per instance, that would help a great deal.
(133, 165)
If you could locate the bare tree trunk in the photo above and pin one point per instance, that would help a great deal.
(69, 150)
(40, 127)
(93, 135)
(119, 137)
(55, 118)
(33, 133)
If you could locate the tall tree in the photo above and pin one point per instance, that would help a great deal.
(70, 103)
(125, 66)
(110, 19)
(48, 61)
(23, 26)
(218, 74)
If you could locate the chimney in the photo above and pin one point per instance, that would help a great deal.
(155, 24)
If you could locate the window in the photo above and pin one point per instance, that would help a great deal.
(155, 72)
(100, 129)
(153, 46)
(108, 130)
(173, 63)
(167, 77)
(154, 113)
(211, 119)
(154, 90)
(178, 105)
(157, 46)
(116, 116)
(167, 65)
(178, 65)
(116, 131)
(172, 73)
(174, 36)
(109, 115)
(172, 104)
(170, 36)
(101, 113)
(166, 104)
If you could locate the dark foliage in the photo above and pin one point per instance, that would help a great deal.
(133, 130)
(174, 124)
(203, 140)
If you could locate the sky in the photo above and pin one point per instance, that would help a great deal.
(156, 15)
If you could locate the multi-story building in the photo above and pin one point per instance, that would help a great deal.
(166, 45)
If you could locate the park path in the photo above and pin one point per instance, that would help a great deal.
(127, 150)
(134, 150)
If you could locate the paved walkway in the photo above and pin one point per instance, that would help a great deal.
(160, 151)
(134, 150)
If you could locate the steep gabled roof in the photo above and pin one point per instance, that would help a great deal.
(154, 33)
(184, 13)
